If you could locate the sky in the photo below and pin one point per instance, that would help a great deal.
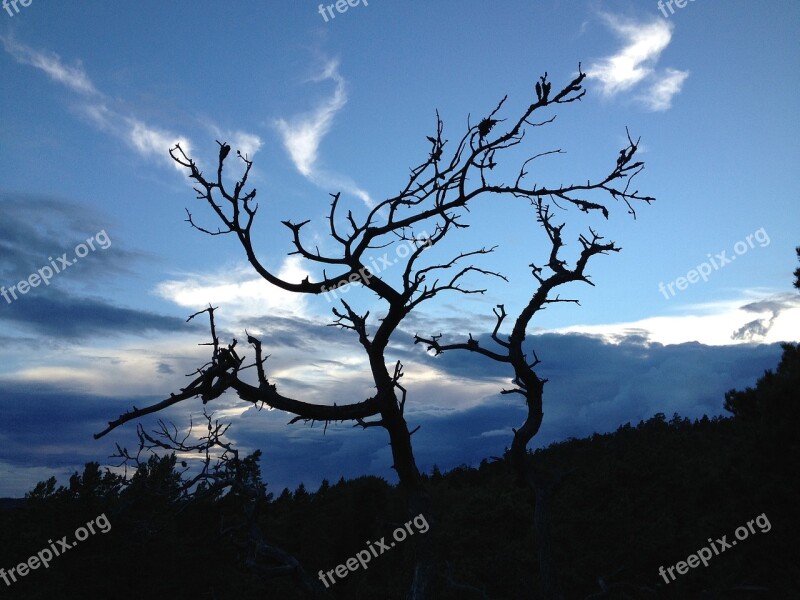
(325, 101)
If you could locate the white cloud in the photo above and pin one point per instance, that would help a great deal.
(128, 369)
(716, 324)
(242, 292)
(659, 96)
(247, 143)
(74, 78)
(150, 141)
(505, 433)
(302, 135)
(634, 62)
(146, 140)
(769, 310)
(345, 184)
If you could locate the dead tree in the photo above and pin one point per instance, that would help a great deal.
(430, 206)
(553, 273)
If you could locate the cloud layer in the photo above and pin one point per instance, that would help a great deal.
(594, 386)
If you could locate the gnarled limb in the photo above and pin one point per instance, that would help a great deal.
(221, 374)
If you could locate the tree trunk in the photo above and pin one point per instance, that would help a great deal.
(418, 497)
(540, 484)
(425, 568)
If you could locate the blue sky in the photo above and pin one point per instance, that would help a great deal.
(95, 94)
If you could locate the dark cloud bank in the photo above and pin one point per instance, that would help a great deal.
(593, 387)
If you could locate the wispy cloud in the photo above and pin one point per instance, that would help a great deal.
(659, 96)
(247, 143)
(243, 293)
(634, 62)
(643, 44)
(301, 135)
(74, 78)
(144, 139)
(148, 141)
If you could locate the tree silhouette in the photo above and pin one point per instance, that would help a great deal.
(429, 207)
(775, 401)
